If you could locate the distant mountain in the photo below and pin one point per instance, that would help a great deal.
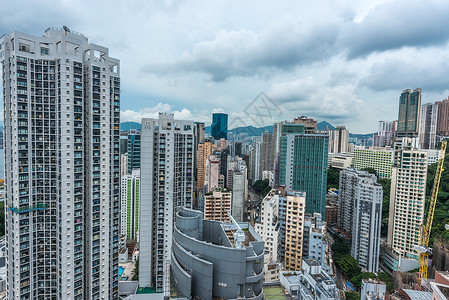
(125, 126)
(323, 124)
(360, 136)
(250, 130)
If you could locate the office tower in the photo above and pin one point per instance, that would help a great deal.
(366, 219)
(380, 159)
(166, 183)
(428, 126)
(215, 260)
(407, 197)
(62, 181)
(303, 165)
(443, 117)
(238, 194)
(267, 151)
(217, 205)
(268, 229)
(133, 150)
(385, 133)
(294, 230)
(338, 140)
(204, 152)
(130, 196)
(409, 111)
(123, 164)
(219, 126)
(314, 244)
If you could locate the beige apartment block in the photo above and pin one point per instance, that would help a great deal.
(204, 152)
(217, 204)
(296, 207)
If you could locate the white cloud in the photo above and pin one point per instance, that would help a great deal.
(153, 112)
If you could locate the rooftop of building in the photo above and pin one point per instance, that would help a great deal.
(418, 295)
(373, 281)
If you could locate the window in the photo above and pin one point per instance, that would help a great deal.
(45, 51)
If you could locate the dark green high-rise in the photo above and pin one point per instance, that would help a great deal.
(303, 165)
(409, 110)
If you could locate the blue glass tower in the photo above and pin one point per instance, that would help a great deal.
(220, 126)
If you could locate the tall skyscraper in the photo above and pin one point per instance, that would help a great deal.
(303, 165)
(360, 215)
(219, 126)
(217, 205)
(130, 197)
(267, 151)
(443, 117)
(428, 126)
(407, 197)
(166, 184)
(62, 160)
(314, 243)
(409, 111)
(133, 150)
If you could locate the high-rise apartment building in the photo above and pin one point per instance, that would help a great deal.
(123, 164)
(294, 233)
(166, 184)
(62, 166)
(366, 220)
(267, 151)
(133, 150)
(338, 140)
(380, 159)
(443, 117)
(130, 196)
(384, 135)
(219, 126)
(303, 165)
(254, 170)
(409, 111)
(238, 194)
(217, 205)
(204, 152)
(428, 126)
(199, 133)
(314, 243)
(268, 229)
(407, 197)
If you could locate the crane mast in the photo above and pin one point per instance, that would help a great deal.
(425, 230)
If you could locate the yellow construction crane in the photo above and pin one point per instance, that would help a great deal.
(424, 249)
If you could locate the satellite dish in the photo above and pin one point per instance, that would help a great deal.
(66, 28)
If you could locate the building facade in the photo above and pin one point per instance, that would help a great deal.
(443, 117)
(428, 126)
(294, 232)
(409, 112)
(314, 243)
(166, 184)
(219, 126)
(380, 159)
(204, 152)
(217, 205)
(134, 145)
(407, 197)
(338, 140)
(214, 260)
(385, 134)
(62, 182)
(303, 165)
(130, 196)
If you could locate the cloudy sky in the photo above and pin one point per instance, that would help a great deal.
(345, 62)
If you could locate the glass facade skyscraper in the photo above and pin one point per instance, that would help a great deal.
(303, 165)
(220, 126)
(409, 110)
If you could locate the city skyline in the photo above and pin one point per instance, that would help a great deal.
(202, 57)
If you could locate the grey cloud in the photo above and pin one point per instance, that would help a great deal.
(397, 74)
(397, 24)
(283, 46)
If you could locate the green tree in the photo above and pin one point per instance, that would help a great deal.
(348, 265)
(386, 187)
(333, 178)
(352, 296)
(136, 271)
(357, 279)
